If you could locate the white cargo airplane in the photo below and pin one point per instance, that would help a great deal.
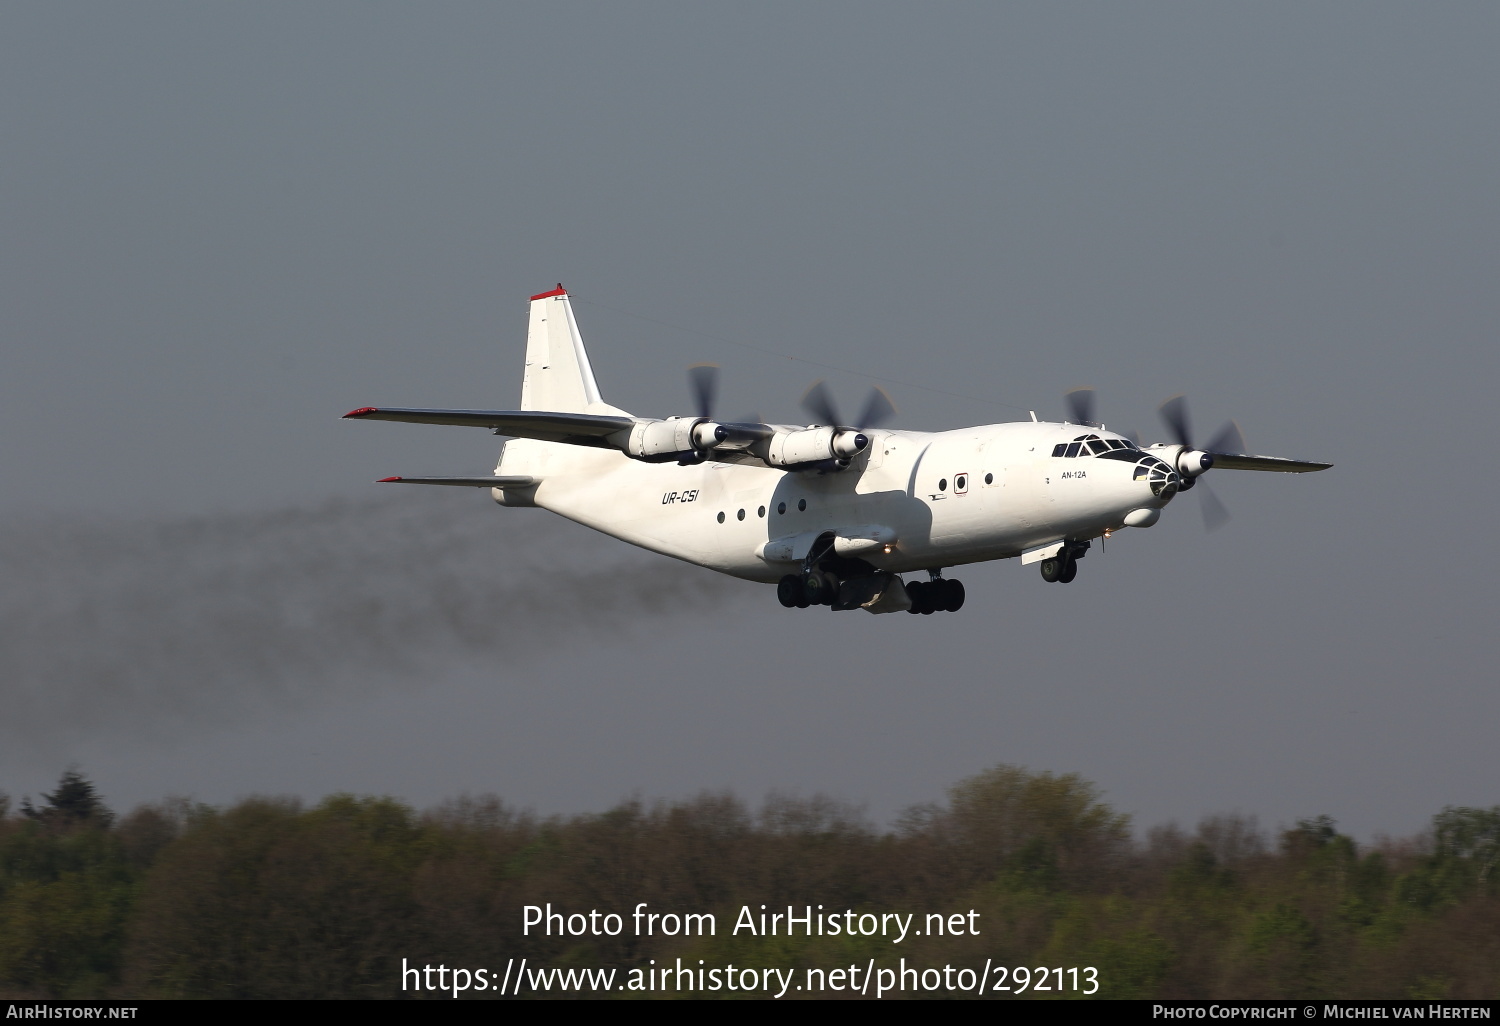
(834, 512)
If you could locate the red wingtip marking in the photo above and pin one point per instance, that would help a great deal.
(359, 412)
(559, 291)
(387, 480)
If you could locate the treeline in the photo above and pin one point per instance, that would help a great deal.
(270, 899)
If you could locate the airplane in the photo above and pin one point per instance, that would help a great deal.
(834, 512)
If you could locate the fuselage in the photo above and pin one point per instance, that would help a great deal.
(931, 499)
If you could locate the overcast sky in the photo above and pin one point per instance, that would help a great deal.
(224, 226)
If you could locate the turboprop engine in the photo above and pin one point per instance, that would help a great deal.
(1187, 461)
(686, 440)
(815, 447)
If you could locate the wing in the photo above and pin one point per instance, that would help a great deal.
(1236, 461)
(572, 428)
(514, 481)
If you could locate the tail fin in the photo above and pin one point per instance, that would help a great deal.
(558, 375)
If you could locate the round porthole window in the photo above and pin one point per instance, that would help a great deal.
(801, 504)
(761, 512)
(989, 479)
(781, 507)
(721, 518)
(740, 515)
(942, 484)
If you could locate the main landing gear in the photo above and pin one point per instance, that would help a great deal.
(1063, 567)
(935, 596)
(824, 588)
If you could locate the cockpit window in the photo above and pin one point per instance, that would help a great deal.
(1092, 445)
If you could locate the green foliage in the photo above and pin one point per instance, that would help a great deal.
(271, 899)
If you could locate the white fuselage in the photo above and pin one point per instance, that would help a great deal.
(940, 499)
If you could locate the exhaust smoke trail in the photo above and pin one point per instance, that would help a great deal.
(158, 627)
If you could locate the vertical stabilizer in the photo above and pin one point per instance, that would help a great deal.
(558, 375)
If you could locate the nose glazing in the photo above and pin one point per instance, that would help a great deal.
(1163, 480)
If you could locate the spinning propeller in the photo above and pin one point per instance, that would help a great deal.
(1228, 440)
(818, 401)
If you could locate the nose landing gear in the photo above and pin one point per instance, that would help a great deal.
(1063, 567)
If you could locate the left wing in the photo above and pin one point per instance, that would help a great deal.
(573, 428)
(514, 481)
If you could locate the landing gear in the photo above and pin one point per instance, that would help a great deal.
(935, 596)
(815, 588)
(789, 592)
(1063, 567)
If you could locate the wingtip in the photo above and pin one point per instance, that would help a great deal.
(387, 480)
(363, 411)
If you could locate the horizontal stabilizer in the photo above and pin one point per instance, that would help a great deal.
(573, 428)
(1233, 461)
(515, 481)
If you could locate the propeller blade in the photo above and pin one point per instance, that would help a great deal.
(1215, 513)
(703, 378)
(1081, 406)
(1228, 439)
(878, 409)
(818, 401)
(1174, 414)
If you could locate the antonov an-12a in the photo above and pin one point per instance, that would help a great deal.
(833, 513)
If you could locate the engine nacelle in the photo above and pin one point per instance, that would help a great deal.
(1188, 463)
(1192, 462)
(820, 448)
(659, 441)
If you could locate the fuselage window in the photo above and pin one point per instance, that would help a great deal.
(781, 507)
(961, 483)
(1073, 448)
(761, 512)
(801, 505)
(942, 484)
(1099, 445)
(1059, 448)
(990, 478)
(721, 518)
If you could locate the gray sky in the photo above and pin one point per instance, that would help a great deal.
(225, 226)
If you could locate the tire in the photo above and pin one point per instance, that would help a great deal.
(789, 590)
(955, 590)
(914, 592)
(1069, 571)
(822, 588)
(1052, 570)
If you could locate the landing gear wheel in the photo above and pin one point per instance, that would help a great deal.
(925, 597)
(954, 595)
(789, 591)
(822, 588)
(1052, 570)
(1069, 571)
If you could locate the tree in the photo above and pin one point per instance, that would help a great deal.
(74, 802)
